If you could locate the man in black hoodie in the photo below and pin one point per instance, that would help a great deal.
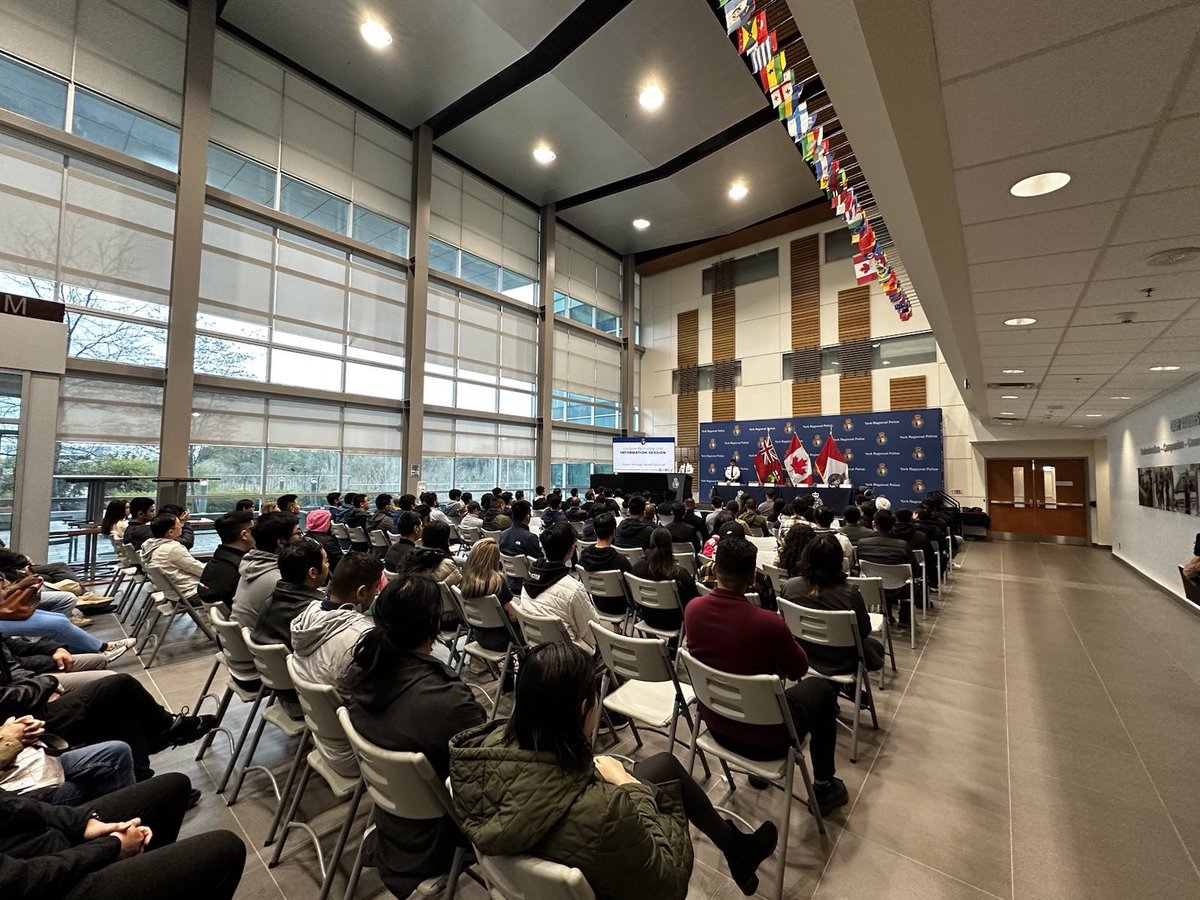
(141, 512)
(918, 540)
(682, 531)
(634, 531)
(603, 558)
(303, 567)
(219, 580)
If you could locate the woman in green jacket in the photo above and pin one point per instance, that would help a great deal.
(531, 786)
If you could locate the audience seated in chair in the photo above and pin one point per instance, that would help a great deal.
(530, 785)
(471, 515)
(917, 539)
(219, 580)
(410, 529)
(333, 506)
(20, 617)
(603, 558)
(682, 530)
(74, 776)
(824, 518)
(381, 519)
(358, 517)
(433, 557)
(761, 586)
(259, 569)
(551, 590)
(402, 698)
(884, 548)
(659, 564)
(634, 530)
(481, 576)
(303, 568)
(164, 552)
(854, 529)
(792, 552)
(187, 535)
(115, 520)
(141, 512)
(725, 632)
(317, 529)
(518, 540)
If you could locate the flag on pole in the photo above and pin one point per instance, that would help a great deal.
(864, 269)
(831, 464)
(797, 463)
(767, 465)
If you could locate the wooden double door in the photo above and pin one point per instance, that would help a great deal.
(1044, 499)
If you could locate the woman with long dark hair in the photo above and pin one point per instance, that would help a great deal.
(402, 698)
(798, 537)
(115, 520)
(432, 557)
(659, 565)
(532, 786)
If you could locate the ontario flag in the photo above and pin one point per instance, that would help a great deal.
(767, 465)
(831, 464)
(864, 268)
(797, 463)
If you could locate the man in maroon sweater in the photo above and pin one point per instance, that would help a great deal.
(724, 631)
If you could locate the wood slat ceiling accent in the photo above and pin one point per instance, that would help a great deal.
(908, 393)
(687, 334)
(854, 314)
(687, 405)
(687, 420)
(724, 406)
(806, 291)
(806, 398)
(856, 393)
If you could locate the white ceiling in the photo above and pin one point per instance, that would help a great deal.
(1108, 91)
(586, 108)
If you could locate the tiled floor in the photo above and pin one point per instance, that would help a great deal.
(1041, 742)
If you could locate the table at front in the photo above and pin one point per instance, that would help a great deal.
(836, 498)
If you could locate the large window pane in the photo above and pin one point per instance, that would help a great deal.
(309, 473)
(480, 271)
(126, 130)
(31, 93)
(443, 257)
(380, 231)
(304, 201)
(240, 175)
(228, 474)
(371, 473)
(304, 370)
(232, 359)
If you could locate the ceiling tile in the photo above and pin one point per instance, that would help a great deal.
(1157, 311)
(1189, 101)
(1062, 268)
(1164, 215)
(1130, 291)
(1057, 231)
(1173, 162)
(1133, 332)
(1061, 296)
(1069, 94)
(1126, 260)
(1047, 319)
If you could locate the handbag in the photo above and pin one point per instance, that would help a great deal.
(18, 600)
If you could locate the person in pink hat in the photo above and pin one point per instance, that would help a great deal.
(317, 529)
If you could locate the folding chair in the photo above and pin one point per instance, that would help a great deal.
(607, 583)
(515, 566)
(686, 561)
(342, 533)
(872, 591)
(358, 538)
(379, 541)
(486, 612)
(647, 594)
(494, 535)
(920, 555)
(777, 575)
(752, 700)
(580, 546)
(232, 688)
(391, 537)
(633, 554)
(895, 578)
(449, 637)
(404, 785)
(320, 703)
(173, 605)
(469, 535)
(530, 878)
(830, 628)
(235, 655)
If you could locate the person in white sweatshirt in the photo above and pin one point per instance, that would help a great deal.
(164, 551)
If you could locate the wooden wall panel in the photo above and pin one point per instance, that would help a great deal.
(724, 335)
(806, 291)
(909, 393)
(856, 393)
(687, 421)
(806, 398)
(724, 408)
(854, 314)
(687, 409)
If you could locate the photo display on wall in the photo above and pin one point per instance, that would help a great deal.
(897, 454)
(1170, 488)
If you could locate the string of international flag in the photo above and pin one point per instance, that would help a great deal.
(760, 46)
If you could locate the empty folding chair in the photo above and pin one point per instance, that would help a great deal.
(835, 629)
(531, 878)
(895, 578)
(486, 612)
(657, 595)
(320, 703)
(608, 583)
(404, 785)
(872, 591)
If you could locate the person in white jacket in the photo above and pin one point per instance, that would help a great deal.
(551, 590)
(163, 551)
(326, 632)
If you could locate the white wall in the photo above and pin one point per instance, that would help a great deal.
(1153, 541)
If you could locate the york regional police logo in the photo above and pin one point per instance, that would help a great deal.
(918, 486)
(881, 470)
(848, 453)
(816, 441)
(787, 427)
(918, 421)
(712, 443)
(737, 430)
(918, 453)
(712, 468)
(847, 425)
(881, 439)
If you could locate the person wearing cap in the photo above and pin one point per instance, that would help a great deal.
(317, 529)
(707, 575)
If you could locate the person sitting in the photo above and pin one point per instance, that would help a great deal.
(436, 513)
(259, 569)
(164, 552)
(141, 512)
(694, 519)
(882, 547)
(333, 506)
(303, 568)
(763, 587)
(69, 778)
(219, 580)
(824, 516)
(917, 540)
(454, 505)
(244, 506)
(45, 656)
(551, 590)
(752, 520)
(410, 529)
(433, 557)
(854, 530)
(402, 698)
(358, 517)
(15, 566)
(471, 517)
(381, 519)
(659, 565)
(725, 632)
(792, 551)
(406, 503)
(553, 511)
(603, 558)
(634, 530)
(531, 786)
(494, 516)
(481, 576)
(115, 522)
(518, 540)
(289, 503)
(539, 498)
(317, 529)
(822, 584)
(187, 535)
(1191, 569)
(682, 531)
(767, 504)
(98, 851)
(326, 631)
(20, 617)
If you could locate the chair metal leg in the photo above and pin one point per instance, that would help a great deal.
(222, 707)
(456, 868)
(785, 824)
(812, 793)
(357, 867)
(162, 639)
(728, 776)
(297, 762)
(343, 836)
(262, 724)
(293, 810)
(241, 742)
(912, 616)
(857, 714)
(500, 685)
(687, 714)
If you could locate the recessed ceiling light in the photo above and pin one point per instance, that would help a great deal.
(651, 97)
(738, 190)
(1036, 185)
(374, 33)
(1164, 368)
(887, 362)
(544, 154)
(1120, 398)
(1095, 415)
(1007, 414)
(641, 224)
(1010, 397)
(1013, 371)
(1023, 320)
(1176, 256)
(195, 415)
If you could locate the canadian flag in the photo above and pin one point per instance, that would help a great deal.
(864, 268)
(831, 464)
(797, 463)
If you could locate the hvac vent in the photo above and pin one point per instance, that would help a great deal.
(1012, 385)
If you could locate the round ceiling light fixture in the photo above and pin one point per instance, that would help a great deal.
(641, 224)
(1021, 320)
(651, 97)
(544, 154)
(1176, 256)
(738, 190)
(1164, 368)
(374, 33)
(1037, 185)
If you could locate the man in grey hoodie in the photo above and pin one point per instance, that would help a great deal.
(259, 568)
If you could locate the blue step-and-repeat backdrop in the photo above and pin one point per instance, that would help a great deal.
(897, 454)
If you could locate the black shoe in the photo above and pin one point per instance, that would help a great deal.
(832, 795)
(746, 853)
(193, 799)
(759, 784)
(186, 729)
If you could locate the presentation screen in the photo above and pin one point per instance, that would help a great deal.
(647, 454)
(897, 454)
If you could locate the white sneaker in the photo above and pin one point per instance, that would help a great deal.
(114, 650)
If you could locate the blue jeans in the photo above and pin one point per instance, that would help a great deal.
(92, 772)
(56, 602)
(55, 626)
